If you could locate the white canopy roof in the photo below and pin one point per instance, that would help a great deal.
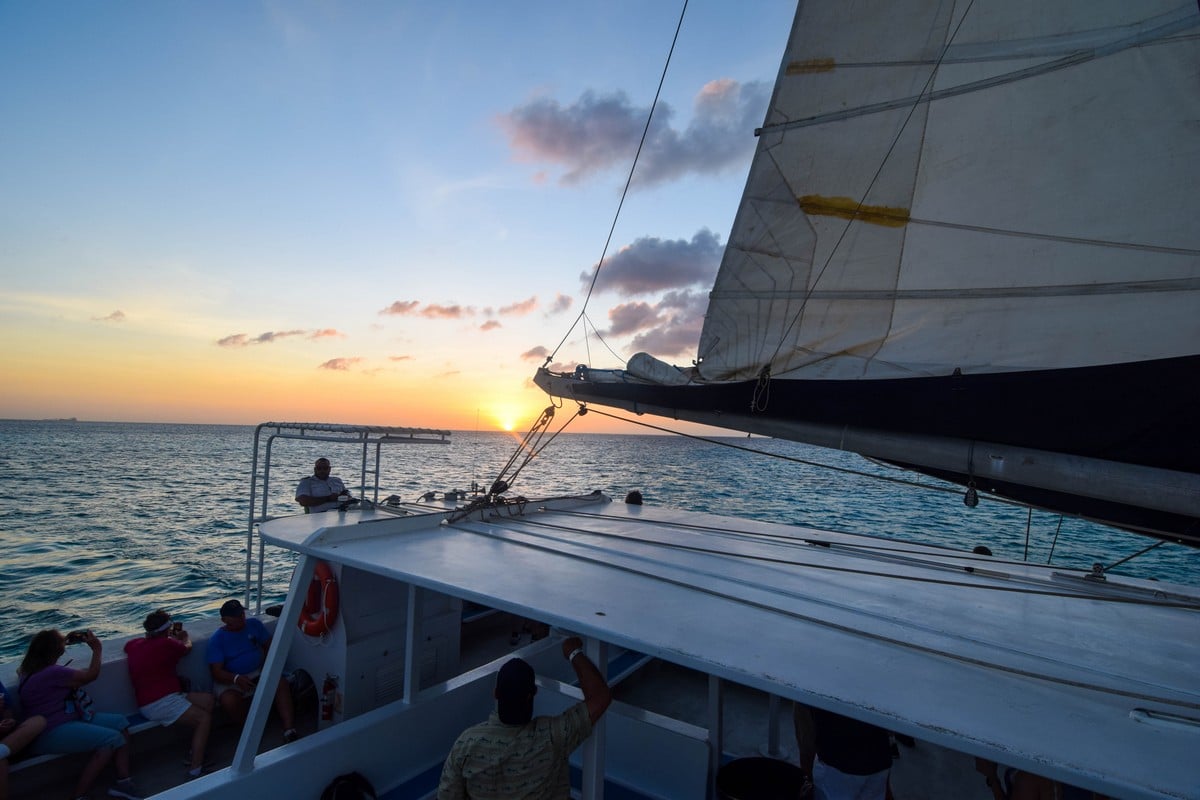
(1095, 684)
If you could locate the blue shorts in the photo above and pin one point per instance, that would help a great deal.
(81, 737)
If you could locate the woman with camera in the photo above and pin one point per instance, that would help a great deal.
(54, 692)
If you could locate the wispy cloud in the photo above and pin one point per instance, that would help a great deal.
(327, 333)
(340, 364)
(410, 308)
(599, 132)
(401, 308)
(562, 302)
(116, 316)
(538, 353)
(490, 325)
(519, 309)
(399, 358)
(268, 337)
(434, 311)
(651, 265)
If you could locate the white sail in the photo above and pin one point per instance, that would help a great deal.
(981, 186)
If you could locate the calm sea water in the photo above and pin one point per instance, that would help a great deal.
(102, 522)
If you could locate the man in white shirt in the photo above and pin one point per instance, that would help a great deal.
(320, 491)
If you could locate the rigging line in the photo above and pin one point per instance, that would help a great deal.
(1022, 590)
(857, 633)
(1028, 525)
(1141, 552)
(628, 181)
(1054, 544)
(912, 110)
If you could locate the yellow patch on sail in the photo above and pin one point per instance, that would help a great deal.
(846, 208)
(811, 65)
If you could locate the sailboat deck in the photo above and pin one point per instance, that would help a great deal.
(1002, 660)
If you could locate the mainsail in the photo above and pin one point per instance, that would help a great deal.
(966, 245)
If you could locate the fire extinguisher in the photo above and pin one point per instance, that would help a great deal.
(328, 689)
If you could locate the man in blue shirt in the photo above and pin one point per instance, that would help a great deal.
(235, 656)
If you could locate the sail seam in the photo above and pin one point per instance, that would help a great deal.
(1161, 32)
(1130, 287)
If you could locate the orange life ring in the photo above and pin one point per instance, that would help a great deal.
(321, 606)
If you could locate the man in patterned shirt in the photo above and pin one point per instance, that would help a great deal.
(513, 756)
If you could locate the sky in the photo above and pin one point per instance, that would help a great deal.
(371, 212)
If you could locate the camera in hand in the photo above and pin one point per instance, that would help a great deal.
(75, 637)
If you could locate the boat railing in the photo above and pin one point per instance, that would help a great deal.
(369, 439)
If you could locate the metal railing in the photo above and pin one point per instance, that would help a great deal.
(369, 437)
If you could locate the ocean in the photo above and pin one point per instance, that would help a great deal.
(101, 523)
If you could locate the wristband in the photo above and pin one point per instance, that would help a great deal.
(577, 651)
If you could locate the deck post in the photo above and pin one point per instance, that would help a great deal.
(411, 640)
(716, 729)
(272, 671)
(592, 783)
(773, 726)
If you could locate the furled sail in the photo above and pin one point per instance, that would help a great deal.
(966, 245)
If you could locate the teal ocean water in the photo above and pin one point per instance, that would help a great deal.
(102, 522)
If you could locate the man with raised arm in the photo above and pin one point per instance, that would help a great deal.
(514, 754)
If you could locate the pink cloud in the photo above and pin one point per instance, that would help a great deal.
(327, 333)
(520, 309)
(434, 311)
(401, 308)
(340, 364)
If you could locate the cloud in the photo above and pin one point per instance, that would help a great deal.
(519, 309)
(327, 333)
(274, 336)
(680, 337)
(340, 364)
(401, 308)
(406, 308)
(116, 316)
(597, 133)
(399, 358)
(651, 264)
(538, 353)
(269, 337)
(490, 325)
(434, 311)
(631, 318)
(562, 302)
(670, 327)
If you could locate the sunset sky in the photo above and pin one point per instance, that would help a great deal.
(367, 212)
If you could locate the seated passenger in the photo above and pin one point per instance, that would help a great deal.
(152, 664)
(13, 735)
(235, 657)
(49, 690)
(852, 759)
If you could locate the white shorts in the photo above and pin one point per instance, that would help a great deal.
(166, 710)
(831, 783)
